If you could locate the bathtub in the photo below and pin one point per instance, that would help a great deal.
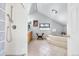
(57, 41)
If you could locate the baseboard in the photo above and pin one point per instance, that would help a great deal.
(15, 55)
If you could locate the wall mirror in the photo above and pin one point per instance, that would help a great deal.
(44, 26)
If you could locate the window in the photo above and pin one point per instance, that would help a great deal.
(44, 26)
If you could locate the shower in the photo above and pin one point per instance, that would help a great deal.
(9, 26)
(10, 21)
(15, 40)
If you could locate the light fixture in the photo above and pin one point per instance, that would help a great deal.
(54, 11)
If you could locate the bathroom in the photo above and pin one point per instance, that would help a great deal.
(14, 20)
(53, 15)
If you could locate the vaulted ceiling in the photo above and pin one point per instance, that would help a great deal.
(49, 10)
(55, 11)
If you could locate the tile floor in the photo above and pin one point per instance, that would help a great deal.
(44, 48)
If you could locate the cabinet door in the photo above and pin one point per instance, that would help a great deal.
(29, 36)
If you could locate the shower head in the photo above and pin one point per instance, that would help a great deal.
(10, 18)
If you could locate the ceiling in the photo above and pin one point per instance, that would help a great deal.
(61, 8)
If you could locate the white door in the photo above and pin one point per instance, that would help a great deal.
(73, 29)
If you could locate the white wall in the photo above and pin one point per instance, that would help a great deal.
(73, 29)
(44, 19)
(18, 44)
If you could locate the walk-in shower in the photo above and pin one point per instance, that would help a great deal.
(11, 34)
(2, 27)
(10, 21)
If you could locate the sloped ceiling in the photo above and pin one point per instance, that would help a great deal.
(46, 9)
(61, 8)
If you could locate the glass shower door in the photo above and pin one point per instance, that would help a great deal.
(2, 29)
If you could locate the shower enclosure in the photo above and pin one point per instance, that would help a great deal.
(12, 29)
(15, 29)
(5, 31)
(2, 30)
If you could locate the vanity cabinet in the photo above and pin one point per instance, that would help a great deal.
(29, 36)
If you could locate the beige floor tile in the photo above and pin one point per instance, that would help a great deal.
(43, 48)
